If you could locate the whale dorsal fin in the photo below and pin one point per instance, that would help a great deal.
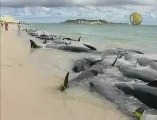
(153, 83)
(65, 84)
(79, 39)
(52, 37)
(89, 46)
(138, 112)
(59, 37)
(33, 44)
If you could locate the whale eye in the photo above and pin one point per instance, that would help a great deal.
(75, 69)
(78, 68)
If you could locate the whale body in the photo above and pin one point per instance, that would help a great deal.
(145, 62)
(70, 48)
(144, 75)
(145, 93)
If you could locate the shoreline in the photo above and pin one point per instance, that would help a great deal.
(110, 36)
(29, 92)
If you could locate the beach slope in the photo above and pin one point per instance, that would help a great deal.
(28, 94)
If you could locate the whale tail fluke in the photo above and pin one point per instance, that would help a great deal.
(33, 44)
(120, 55)
(153, 83)
(79, 39)
(65, 84)
(89, 46)
(138, 113)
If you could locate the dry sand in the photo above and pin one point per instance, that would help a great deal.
(29, 94)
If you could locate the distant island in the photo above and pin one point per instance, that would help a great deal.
(85, 21)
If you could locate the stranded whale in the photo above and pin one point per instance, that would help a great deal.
(98, 68)
(145, 62)
(70, 48)
(145, 93)
(133, 72)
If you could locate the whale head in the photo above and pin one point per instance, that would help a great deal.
(127, 89)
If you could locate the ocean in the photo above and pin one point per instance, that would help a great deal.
(141, 37)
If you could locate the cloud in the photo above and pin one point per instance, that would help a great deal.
(60, 10)
(58, 14)
(76, 3)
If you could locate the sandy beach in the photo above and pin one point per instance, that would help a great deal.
(28, 93)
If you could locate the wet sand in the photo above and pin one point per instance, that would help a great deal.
(29, 92)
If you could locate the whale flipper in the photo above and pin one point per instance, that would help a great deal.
(33, 44)
(113, 64)
(67, 43)
(138, 112)
(94, 62)
(153, 83)
(45, 41)
(59, 37)
(89, 46)
(65, 84)
(136, 51)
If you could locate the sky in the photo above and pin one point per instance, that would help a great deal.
(53, 11)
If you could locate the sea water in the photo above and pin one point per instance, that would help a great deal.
(140, 37)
